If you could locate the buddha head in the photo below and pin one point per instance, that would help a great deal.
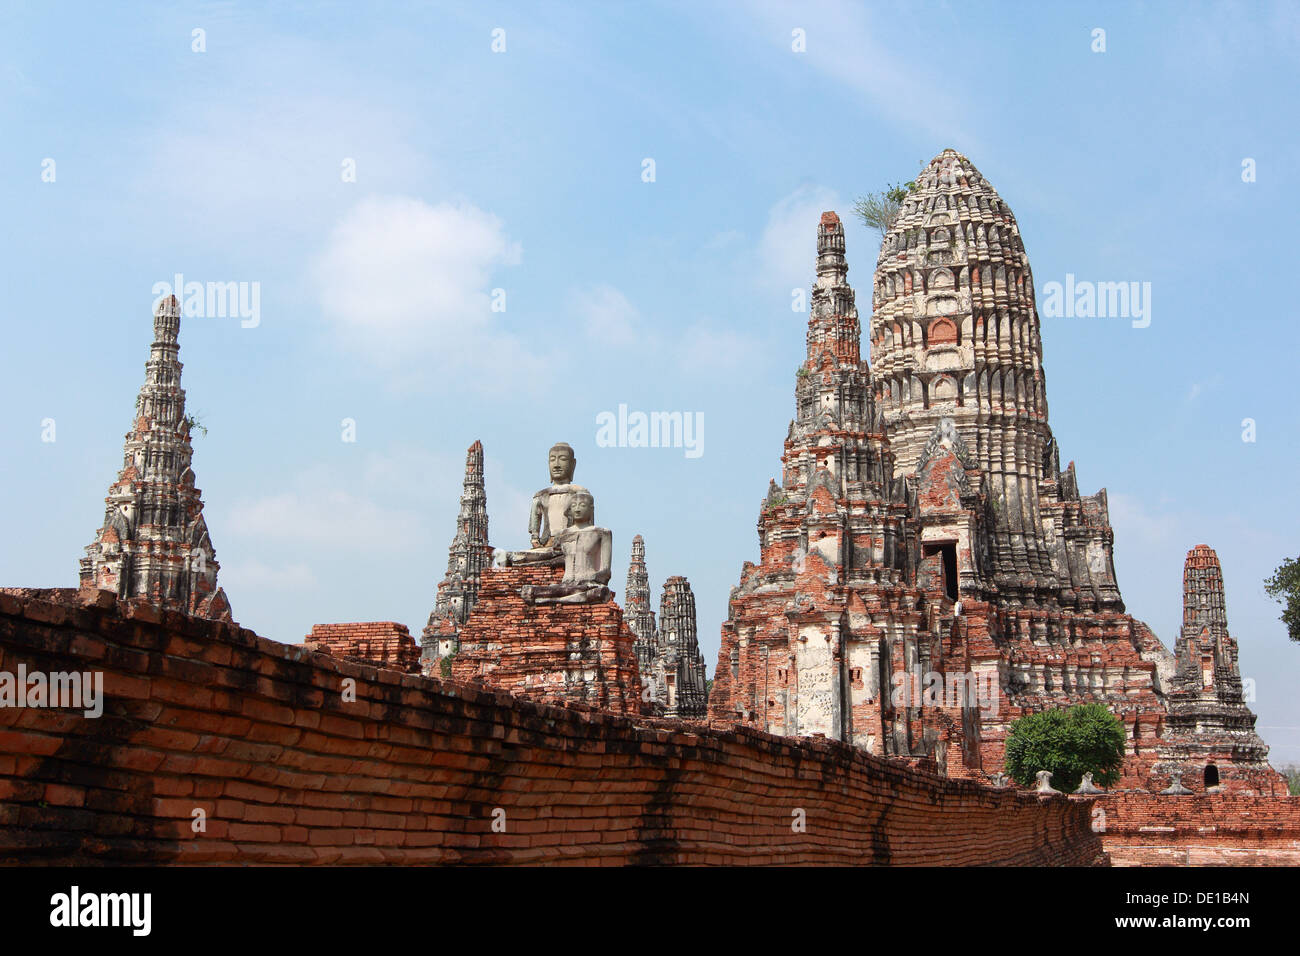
(581, 509)
(561, 462)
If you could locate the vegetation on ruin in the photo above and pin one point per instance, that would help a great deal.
(193, 424)
(1284, 587)
(444, 666)
(1069, 743)
(879, 210)
(1292, 774)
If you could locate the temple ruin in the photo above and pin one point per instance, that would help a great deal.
(154, 543)
(928, 572)
(468, 555)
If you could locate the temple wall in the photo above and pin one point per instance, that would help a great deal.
(287, 767)
(1152, 829)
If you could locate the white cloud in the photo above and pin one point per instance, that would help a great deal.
(608, 316)
(706, 347)
(407, 284)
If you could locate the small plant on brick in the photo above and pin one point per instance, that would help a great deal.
(879, 210)
(444, 666)
(1069, 742)
(1292, 780)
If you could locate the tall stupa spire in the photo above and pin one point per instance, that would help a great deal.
(468, 555)
(154, 543)
(636, 604)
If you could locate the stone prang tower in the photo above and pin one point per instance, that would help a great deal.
(154, 543)
(467, 557)
(679, 666)
(668, 655)
(955, 336)
(928, 573)
(636, 606)
(1209, 728)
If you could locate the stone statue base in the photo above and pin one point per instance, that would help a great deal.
(558, 653)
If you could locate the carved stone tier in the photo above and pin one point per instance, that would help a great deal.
(561, 653)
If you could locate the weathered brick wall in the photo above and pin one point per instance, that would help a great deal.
(1202, 829)
(259, 735)
(380, 642)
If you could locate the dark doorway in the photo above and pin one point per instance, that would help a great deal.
(947, 552)
(1211, 776)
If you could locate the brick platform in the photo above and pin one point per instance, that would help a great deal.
(559, 653)
(385, 643)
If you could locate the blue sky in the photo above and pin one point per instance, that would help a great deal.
(522, 170)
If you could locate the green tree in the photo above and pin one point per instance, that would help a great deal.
(1284, 587)
(1069, 743)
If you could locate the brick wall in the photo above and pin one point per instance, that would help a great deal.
(380, 642)
(259, 736)
(1202, 829)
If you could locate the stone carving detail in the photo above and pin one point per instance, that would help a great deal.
(467, 558)
(154, 543)
(1175, 787)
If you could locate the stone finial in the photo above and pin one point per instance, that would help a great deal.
(1044, 778)
(1175, 787)
(1086, 785)
(998, 779)
(1203, 604)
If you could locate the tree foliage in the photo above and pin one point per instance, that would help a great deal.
(1069, 743)
(1284, 587)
